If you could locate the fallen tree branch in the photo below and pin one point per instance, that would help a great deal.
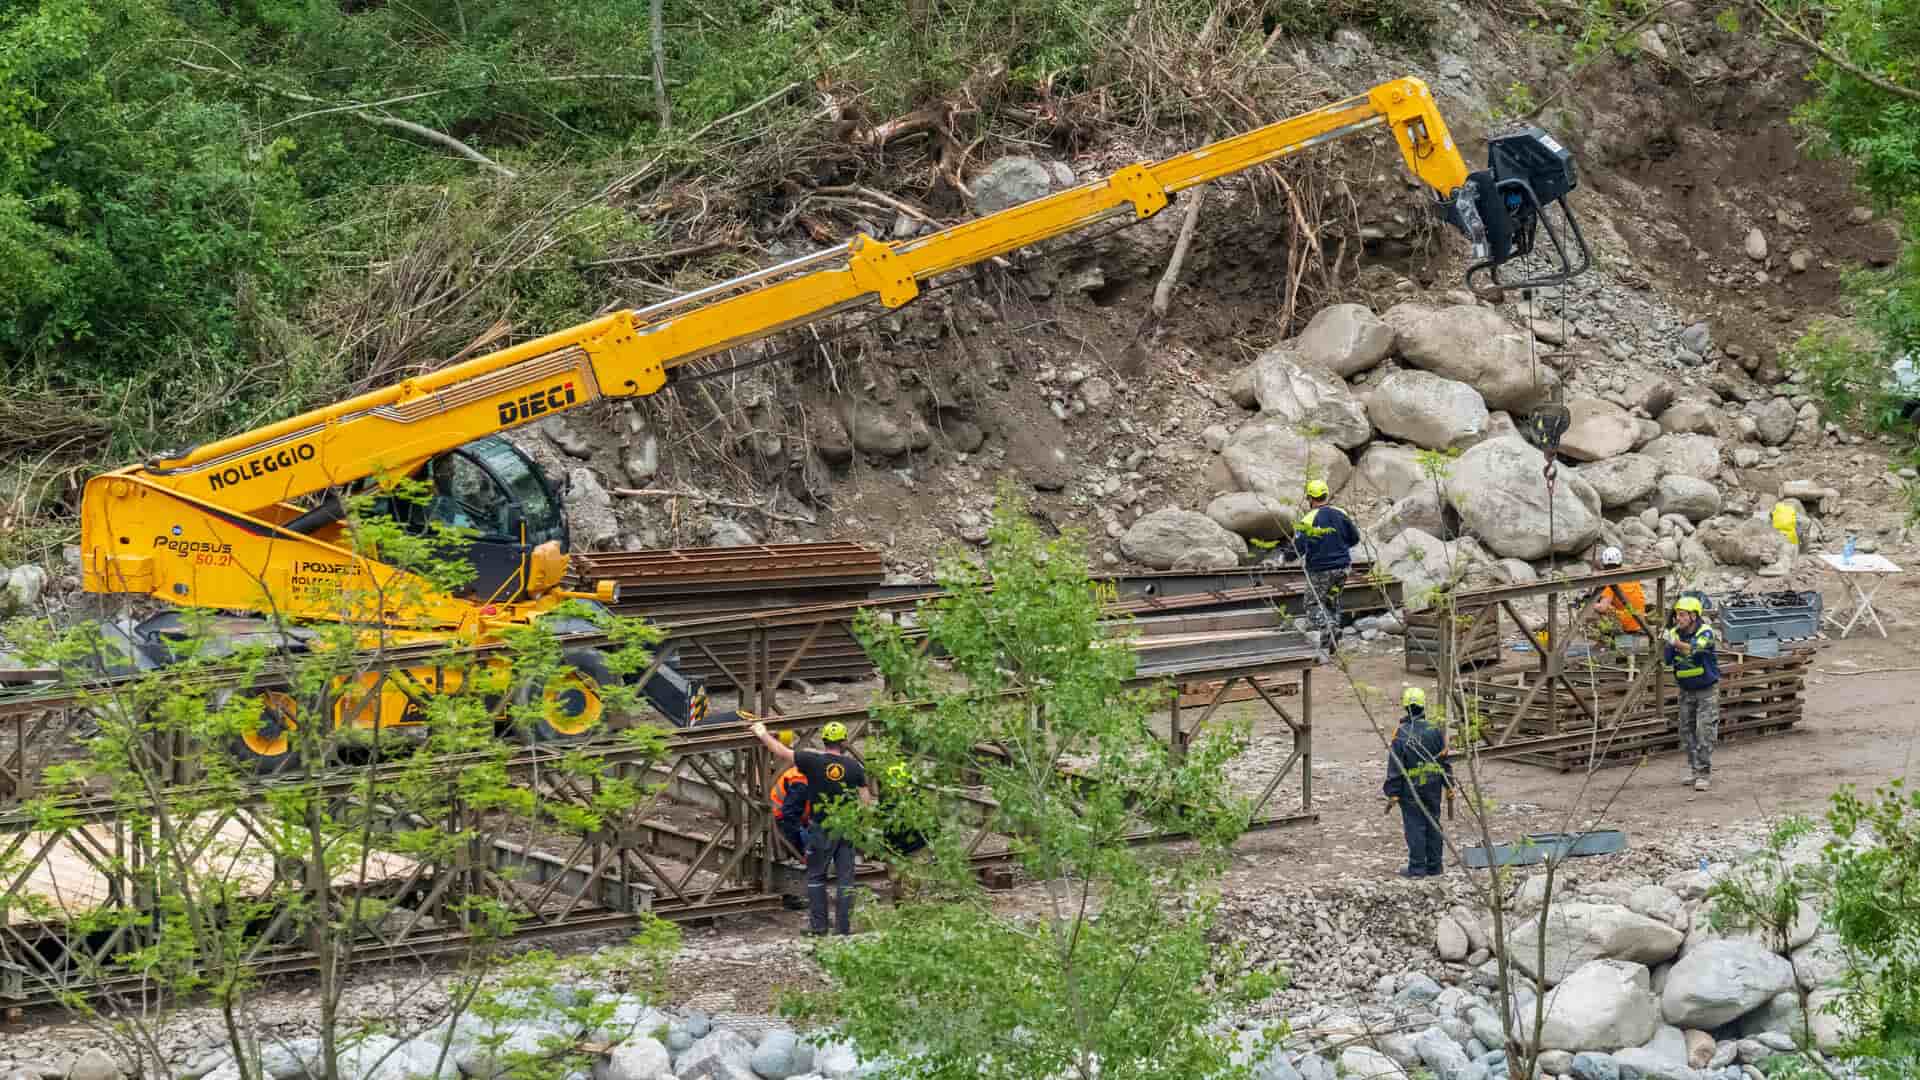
(756, 106)
(423, 94)
(662, 256)
(358, 112)
(670, 493)
(1163, 292)
(440, 137)
(860, 191)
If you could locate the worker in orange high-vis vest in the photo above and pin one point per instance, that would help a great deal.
(789, 797)
(1625, 602)
(792, 812)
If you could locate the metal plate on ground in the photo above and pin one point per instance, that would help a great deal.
(1539, 847)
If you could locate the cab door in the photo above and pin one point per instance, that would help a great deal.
(498, 500)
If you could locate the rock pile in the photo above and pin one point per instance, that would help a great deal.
(641, 1043)
(1661, 468)
(1636, 983)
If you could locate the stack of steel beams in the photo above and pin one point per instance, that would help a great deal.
(673, 586)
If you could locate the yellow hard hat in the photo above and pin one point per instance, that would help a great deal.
(1316, 489)
(1688, 603)
(834, 732)
(785, 737)
(1413, 695)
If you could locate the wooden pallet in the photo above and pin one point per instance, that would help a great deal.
(1476, 639)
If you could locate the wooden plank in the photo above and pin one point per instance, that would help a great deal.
(1200, 694)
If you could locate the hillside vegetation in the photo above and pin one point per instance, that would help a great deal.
(212, 214)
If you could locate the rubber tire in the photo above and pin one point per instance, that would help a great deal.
(587, 662)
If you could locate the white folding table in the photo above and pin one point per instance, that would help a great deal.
(1874, 570)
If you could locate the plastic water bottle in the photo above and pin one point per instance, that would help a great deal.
(1846, 555)
(1703, 864)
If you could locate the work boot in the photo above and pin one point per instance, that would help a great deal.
(1412, 873)
(1691, 780)
(1701, 784)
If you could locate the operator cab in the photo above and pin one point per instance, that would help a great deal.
(500, 500)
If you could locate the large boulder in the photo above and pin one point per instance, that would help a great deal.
(1690, 497)
(1664, 1057)
(1422, 509)
(1390, 470)
(1691, 418)
(1010, 181)
(1474, 345)
(722, 1055)
(1252, 515)
(1420, 562)
(1578, 932)
(1621, 480)
(1603, 1005)
(873, 430)
(1598, 430)
(1313, 399)
(636, 1059)
(1697, 456)
(781, 1054)
(1271, 457)
(1782, 1012)
(1751, 543)
(1820, 962)
(1345, 339)
(1828, 1017)
(1720, 980)
(1773, 420)
(1167, 537)
(1497, 489)
(1366, 1063)
(590, 515)
(1427, 410)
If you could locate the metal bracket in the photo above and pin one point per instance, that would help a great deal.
(876, 269)
(1141, 189)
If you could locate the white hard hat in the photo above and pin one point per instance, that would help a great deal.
(1611, 557)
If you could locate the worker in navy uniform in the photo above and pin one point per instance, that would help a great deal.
(1696, 669)
(831, 773)
(1324, 539)
(1417, 775)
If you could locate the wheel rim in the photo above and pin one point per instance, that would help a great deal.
(572, 705)
(271, 735)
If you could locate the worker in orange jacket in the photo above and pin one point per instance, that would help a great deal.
(791, 807)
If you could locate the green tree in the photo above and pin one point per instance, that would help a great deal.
(1865, 882)
(255, 826)
(1036, 703)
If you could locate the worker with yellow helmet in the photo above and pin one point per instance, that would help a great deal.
(1324, 539)
(1696, 670)
(1418, 773)
(831, 773)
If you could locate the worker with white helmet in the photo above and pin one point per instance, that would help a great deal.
(1621, 607)
(1418, 772)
